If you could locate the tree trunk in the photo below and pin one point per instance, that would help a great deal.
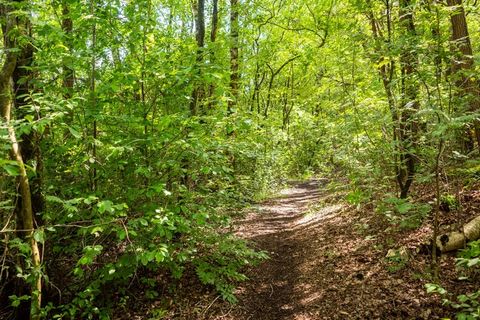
(30, 142)
(273, 74)
(198, 90)
(463, 69)
(26, 216)
(93, 97)
(408, 124)
(68, 73)
(387, 72)
(234, 62)
(213, 38)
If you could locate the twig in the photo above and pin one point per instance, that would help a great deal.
(7, 223)
(205, 311)
(59, 292)
(126, 231)
(72, 225)
(4, 258)
(226, 314)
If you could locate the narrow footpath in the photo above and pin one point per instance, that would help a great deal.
(323, 265)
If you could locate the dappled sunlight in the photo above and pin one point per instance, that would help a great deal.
(316, 256)
(319, 215)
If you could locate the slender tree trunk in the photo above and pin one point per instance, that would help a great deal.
(198, 90)
(410, 105)
(258, 80)
(213, 38)
(93, 97)
(68, 73)
(273, 74)
(438, 79)
(288, 103)
(25, 216)
(146, 108)
(404, 133)
(234, 50)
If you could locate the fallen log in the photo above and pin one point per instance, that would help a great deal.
(456, 240)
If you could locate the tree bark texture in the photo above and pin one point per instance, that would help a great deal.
(462, 68)
(456, 240)
(30, 142)
(234, 54)
(408, 128)
(198, 90)
(213, 38)
(68, 72)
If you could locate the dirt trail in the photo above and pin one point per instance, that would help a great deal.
(281, 287)
(321, 265)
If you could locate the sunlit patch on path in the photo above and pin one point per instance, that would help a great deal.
(287, 212)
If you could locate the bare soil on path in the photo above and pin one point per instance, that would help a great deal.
(327, 261)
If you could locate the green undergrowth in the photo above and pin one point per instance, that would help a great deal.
(466, 305)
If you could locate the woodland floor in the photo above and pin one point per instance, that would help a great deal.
(327, 261)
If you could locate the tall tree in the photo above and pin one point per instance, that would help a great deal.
(409, 101)
(68, 72)
(234, 54)
(93, 95)
(213, 39)
(404, 133)
(19, 53)
(23, 87)
(198, 90)
(463, 67)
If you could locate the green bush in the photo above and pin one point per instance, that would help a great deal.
(402, 212)
(467, 304)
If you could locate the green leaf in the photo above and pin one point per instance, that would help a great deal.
(473, 262)
(143, 222)
(97, 230)
(39, 236)
(74, 133)
(403, 208)
(12, 170)
(121, 234)
(105, 206)
(17, 300)
(435, 288)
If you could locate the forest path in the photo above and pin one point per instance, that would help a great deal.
(322, 265)
(290, 228)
